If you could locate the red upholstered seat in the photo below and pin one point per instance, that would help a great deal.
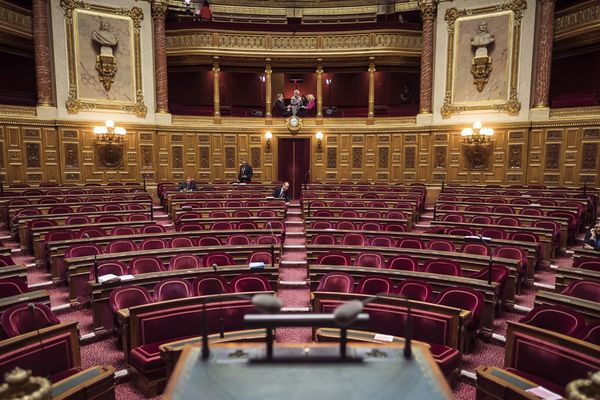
(91, 233)
(513, 253)
(477, 208)
(382, 242)
(208, 284)
(445, 267)
(121, 246)
(185, 261)
(324, 239)
(105, 219)
(252, 225)
(145, 264)
(153, 244)
(133, 207)
(267, 213)
(500, 274)
(209, 241)
(260, 256)
(502, 209)
(154, 229)
(268, 239)
(531, 211)
(588, 290)
(322, 225)
(349, 214)
(411, 244)
(129, 296)
(179, 242)
(250, 283)
(334, 258)
(405, 263)
(117, 268)
(88, 209)
(591, 333)
(138, 217)
(481, 219)
(6, 260)
(189, 227)
(354, 239)
(454, 218)
(372, 260)
(466, 299)
(273, 225)
(122, 230)
(218, 214)
(591, 265)
(493, 233)
(112, 207)
(18, 319)
(441, 245)
(371, 226)
(170, 289)
(220, 259)
(395, 228)
(395, 215)
(556, 318)
(339, 282)
(12, 287)
(508, 221)
(77, 250)
(373, 285)
(60, 210)
(323, 213)
(474, 248)
(414, 290)
(60, 235)
(238, 240)
(460, 232)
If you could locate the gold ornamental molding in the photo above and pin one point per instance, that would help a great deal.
(394, 42)
(512, 103)
(578, 20)
(15, 20)
(76, 103)
(575, 113)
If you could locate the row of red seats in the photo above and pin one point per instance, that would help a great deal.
(183, 226)
(56, 192)
(365, 226)
(58, 200)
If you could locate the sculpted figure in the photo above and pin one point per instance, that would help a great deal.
(105, 38)
(482, 40)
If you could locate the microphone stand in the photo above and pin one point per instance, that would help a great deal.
(485, 242)
(408, 331)
(95, 265)
(205, 349)
(221, 319)
(31, 307)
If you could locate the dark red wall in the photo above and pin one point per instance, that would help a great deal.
(242, 89)
(389, 85)
(349, 89)
(20, 89)
(575, 74)
(308, 86)
(191, 88)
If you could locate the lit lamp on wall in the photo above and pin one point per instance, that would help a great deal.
(477, 135)
(478, 146)
(319, 136)
(268, 136)
(109, 133)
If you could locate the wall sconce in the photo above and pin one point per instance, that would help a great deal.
(477, 135)
(109, 133)
(268, 136)
(319, 136)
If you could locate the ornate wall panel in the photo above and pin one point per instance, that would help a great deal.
(565, 153)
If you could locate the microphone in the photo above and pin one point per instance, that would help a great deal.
(347, 313)
(266, 303)
(95, 266)
(221, 319)
(214, 267)
(485, 241)
(31, 308)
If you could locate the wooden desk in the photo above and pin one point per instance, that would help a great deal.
(95, 383)
(589, 309)
(566, 275)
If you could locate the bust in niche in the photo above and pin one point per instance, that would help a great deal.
(482, 39)
(105, 38)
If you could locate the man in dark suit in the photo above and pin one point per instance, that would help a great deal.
(188, 186)
(282, 192)
(592, 238)
(245, 174)
(280, 106)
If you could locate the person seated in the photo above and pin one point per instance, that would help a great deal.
(188, 186)
(280, 106)
(592, 238)
(282, 192)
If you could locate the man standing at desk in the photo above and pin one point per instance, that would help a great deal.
(245, 174)
(188, 186)
(282, 192)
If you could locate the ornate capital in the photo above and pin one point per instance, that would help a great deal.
(159, 8)
(428, 9)
(215, 67)
(268, 69)
(372, 64)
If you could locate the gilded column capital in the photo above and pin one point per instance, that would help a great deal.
(268, 68)
(159, 8)
(215, 67)
(371, 64)
(428, 9)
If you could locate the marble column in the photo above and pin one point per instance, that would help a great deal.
(41, 45)
(428, 16)
(268, 90)
(544, 54)
(216, 93)
(159, 11)
(319, 98)
(371, 110)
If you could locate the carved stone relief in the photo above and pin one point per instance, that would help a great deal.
(410, 154)
(357, 157)
(589, 156)
(552, 155)
(203, 157)
(439, 157)
(109, 156)
(71, 155)
(255, 157)
(147, 159)
(515, 153)
(331, 157)
(33, 155)
(177, 154)
(384, 157)
(230, 157)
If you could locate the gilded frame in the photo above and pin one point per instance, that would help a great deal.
(76, 104)
(512, 104)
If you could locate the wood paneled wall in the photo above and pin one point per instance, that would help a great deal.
(552, 154)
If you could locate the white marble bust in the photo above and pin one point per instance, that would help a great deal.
(482, 40)
(105, 38)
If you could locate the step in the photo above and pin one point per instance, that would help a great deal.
(40, 285)
(60, 307)
(294, 222)
(520, 308)
(294, 234)
(295, 309)
(294, 246)
(292, 283)
(468, 374)
(287, 262)
(498, 337)
(543, 286)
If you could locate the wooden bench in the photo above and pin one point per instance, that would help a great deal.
(18, 271)
(589, 309)
(568, 359)
(468, 262)
(36, 296)
(410, 214)
(206, 223)
(407, 223)
(79, 267)
(103, 317)
(198, 206)
(581, 254)
(439, 282)
(205, 212)
(566, 275)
